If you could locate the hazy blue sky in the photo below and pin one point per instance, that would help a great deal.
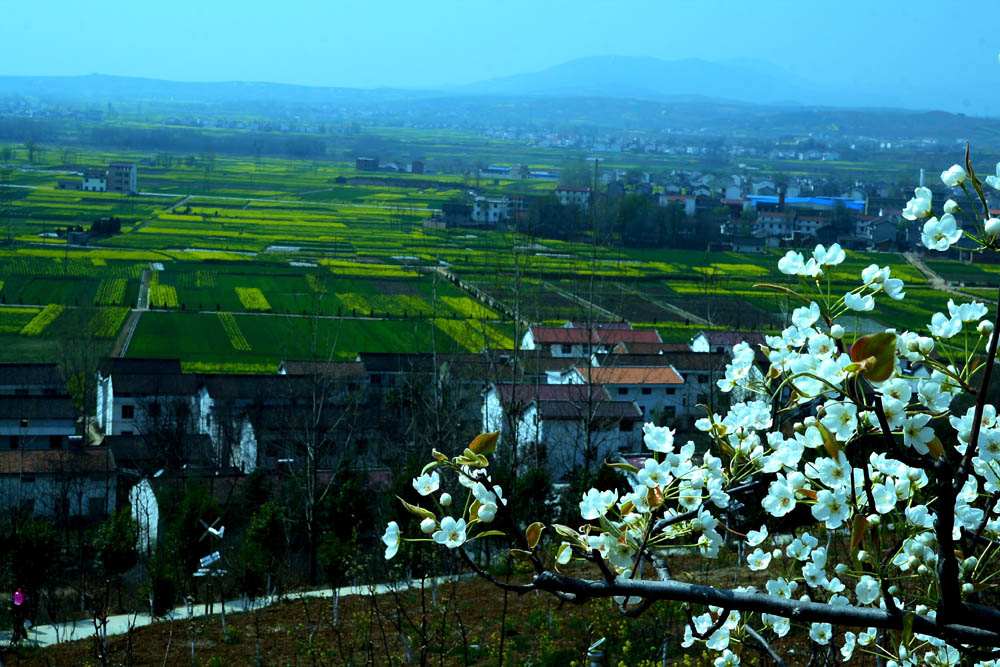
(438, 42)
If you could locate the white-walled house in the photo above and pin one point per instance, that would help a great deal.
(569, 194)
(135, 396)
(579, 342)
(555, 425)
(656, 390)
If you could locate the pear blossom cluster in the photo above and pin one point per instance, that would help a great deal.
(846, 429)
(940, 233)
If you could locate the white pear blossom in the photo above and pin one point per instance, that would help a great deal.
(919, 206)
(859, 302)
(596, 503)
(940, 234)
(994, 181)
(427, 484)
(829, 256)
(658, 438)
(756, 537)
(759, 559)
(867, 589)
(954, 176)
(391, 539)
(831, 507)
(452, 532)
(945, 327)
(821, 633)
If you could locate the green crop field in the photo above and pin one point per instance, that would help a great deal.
(250, 261)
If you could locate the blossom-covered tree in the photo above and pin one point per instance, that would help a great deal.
(902, 487)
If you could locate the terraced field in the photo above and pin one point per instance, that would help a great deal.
(250, 262)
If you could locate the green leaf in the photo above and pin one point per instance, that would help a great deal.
(830, 443)
(520, 554)
(416, 510)
(490, 533)
(623, 466)
(438, 456)
(534, 533)
(908, 628)
(566, 531)
(858, 530)
(429, 466)
(485, 443)
(936, 448)
(877, 354)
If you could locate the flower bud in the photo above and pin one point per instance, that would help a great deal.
(793, 586)
(445, 499)
(926, 345)
(841, 569)
(894, 590)
(776, 553)
(862, 556)
(921, 609)
(874, 520)
(968, 589)
(923, 570)
(837, 332)
(951, 206)
(992, 227)
(970, 563)
(985, 328)
(428, 525)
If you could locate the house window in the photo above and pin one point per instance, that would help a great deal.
(622, 391)
(55, 442)
(646, 391)
(15, 441)
(128, 412)
(567, 349)
(671, 391)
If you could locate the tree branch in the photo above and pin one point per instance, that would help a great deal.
(797, 610)
(767, 647)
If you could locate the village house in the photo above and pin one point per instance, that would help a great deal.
(658, 391)
(562, 427)
(578, 341)
(489, 212)
(123, 177)
(140, 396)
(568, 194)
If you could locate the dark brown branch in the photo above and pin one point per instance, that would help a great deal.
(520, 589)
(797, 610)
(977, 420)
(719, 622)
(767, 647)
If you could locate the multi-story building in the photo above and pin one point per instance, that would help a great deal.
(123, 177)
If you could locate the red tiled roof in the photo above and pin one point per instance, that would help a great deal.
(563, 335)
(637, 375)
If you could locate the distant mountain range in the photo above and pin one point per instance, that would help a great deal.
(730, 98)
(749, 81)
(622, 77)
(654, 79)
